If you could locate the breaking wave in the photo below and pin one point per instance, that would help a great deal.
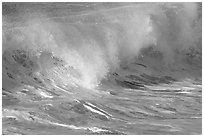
(83, 49)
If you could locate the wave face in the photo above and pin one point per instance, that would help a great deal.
(68, 49)
(96, 43)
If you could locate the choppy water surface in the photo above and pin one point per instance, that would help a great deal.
(101, 69)
(164, 109)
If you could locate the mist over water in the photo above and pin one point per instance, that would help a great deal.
(97, 42)
(102, 68)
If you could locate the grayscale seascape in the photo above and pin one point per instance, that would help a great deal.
(101, 68)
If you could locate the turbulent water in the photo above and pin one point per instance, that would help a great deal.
(101, 68)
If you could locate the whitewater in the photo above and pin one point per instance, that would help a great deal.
(101, 68)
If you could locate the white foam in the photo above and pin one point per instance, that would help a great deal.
(63, 89)
(95, 111)
(45, 95)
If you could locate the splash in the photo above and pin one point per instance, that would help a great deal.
(97, 42)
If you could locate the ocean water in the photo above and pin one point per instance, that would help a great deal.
(102, 68)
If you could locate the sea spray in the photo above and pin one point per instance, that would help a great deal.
(96, 43)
